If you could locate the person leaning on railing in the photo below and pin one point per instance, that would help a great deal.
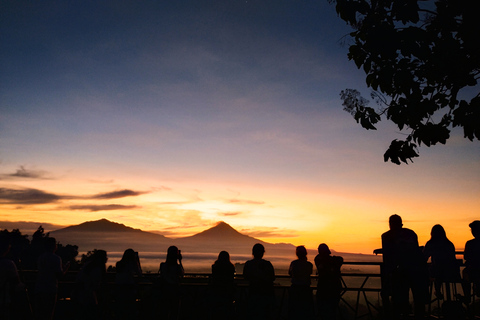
(471, 273)
(329, 284)
(444, 267)
(404, 268)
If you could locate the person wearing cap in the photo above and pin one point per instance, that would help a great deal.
(471, 273)
(404, 269)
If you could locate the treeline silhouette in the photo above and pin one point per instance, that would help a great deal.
(92, 295)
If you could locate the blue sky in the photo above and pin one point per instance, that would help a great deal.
(209, 111)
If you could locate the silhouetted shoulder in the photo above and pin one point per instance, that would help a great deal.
(259, 270)
(337, 260)
(328, 262)
(8, 271)
(300, 271)
(472, 252)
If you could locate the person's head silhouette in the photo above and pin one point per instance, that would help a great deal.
(301, 252)
(173, 254)
(324, 250)
(4, 245)
(50, 244)
(438, 232)
(100, 257)
(129, 255)
(258, 250)
(475, 226)
(395, 222)
(224, 257)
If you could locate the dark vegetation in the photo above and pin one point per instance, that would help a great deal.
(25, 252)
(422, 62)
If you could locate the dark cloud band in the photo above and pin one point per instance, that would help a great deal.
(106, 207)
(27, 196)
(118, 194)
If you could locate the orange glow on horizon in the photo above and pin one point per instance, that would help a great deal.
(347, 220)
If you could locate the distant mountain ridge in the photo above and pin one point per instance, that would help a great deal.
(102, 225)
(116, 238)
(221, 230)
(112, 236)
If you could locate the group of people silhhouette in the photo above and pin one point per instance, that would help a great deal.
(404, 269)
(260, 275)
(329, 284)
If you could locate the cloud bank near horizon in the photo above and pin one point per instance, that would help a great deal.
(33, 197)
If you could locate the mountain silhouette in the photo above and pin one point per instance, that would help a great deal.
(222, 231)
(223, 237)
(116, 237)
(102, 225)
(111, 236)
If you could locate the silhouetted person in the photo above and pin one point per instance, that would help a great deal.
(126, 270)
(300, 294)
(223, 287)
(471, 273)
(171, 272)
(260, 275)
(9, 280)
(50, 270)
(91, 286)
(329, 284)
(444, 266)
(404, 268)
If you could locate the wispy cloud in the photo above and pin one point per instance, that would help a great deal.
(23, 172)
(175, 202)
(30, 196)
(271, 233)
(118, 194)
(231, 213)
(106, 207)
(162, 188)
(109, 181)
(27, 196)
(244, 201)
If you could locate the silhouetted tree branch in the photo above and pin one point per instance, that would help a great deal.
(421, 60)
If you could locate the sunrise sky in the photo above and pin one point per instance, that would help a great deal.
(170, 116)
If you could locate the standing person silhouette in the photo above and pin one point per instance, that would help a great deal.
(50, 269)
(171, 272)
(404, 268)
(471, 273)
(260, 275)
(444, 267)
(91, 287)
(300, 300)
(126, 270)
(9, 280)
(329, 283)
(223, 287)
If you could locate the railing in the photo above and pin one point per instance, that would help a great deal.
(360, 297)
(363, 291)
